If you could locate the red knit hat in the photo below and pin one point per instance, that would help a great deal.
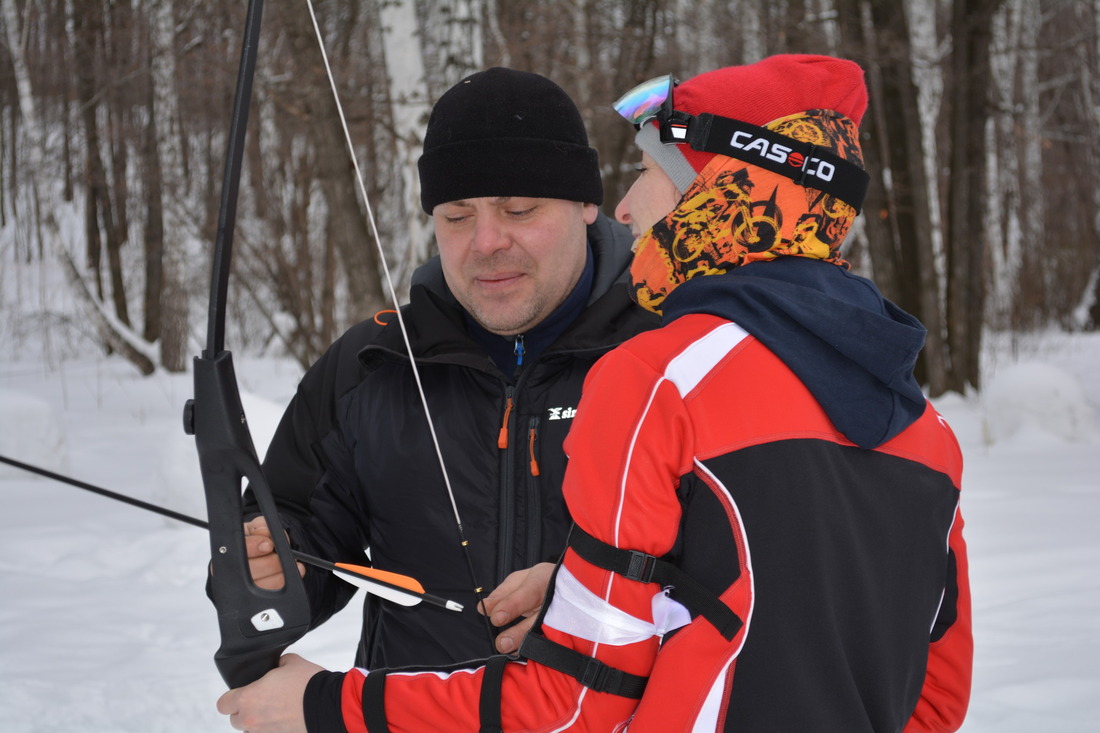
(759, 93)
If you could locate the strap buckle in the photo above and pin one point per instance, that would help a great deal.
(640, 567)
(599, 676)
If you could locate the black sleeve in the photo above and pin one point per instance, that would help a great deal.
(296, 465)
(322, 703)
(335, 528)
(293, 465)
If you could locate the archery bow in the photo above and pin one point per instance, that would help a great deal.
(256, 625)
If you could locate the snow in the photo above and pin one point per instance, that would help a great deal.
(104, 625)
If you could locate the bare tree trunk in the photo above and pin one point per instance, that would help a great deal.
(1090, 94)
(751, 30)
(173, 295)
(966, 243)
(117, 192)
(116, 238)
(632, 62)
(85, 22)
(880, 213)
(491, 14)
(99, 209)
(4, 190)
(63, 54)
(822, 15)
(335, 172)
(12, 156)
(153, 240)
(904, 264)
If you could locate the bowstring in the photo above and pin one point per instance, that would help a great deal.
(465, 544)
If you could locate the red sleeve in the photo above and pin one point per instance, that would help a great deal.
(946, 692)
(627, 448)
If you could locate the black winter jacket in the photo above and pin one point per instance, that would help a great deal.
(353, 467)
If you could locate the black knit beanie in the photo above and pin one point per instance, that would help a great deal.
(502, 132)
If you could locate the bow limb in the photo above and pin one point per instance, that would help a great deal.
(256, 625)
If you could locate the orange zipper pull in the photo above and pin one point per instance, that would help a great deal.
(502, 439)
(531, 451)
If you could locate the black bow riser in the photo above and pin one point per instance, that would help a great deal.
(256, 624)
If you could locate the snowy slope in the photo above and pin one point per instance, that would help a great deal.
(104, 626)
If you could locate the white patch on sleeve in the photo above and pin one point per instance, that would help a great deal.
(577, 611)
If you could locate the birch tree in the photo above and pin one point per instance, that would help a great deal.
(1002, 215)
(410, 109)
(927, 72)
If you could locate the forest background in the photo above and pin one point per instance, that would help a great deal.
(982, 141)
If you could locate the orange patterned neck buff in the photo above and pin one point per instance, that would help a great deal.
(735, 213)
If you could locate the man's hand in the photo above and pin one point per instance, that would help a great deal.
(521, 594)
(273, 703)
(267, 572)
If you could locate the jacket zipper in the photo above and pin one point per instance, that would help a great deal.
(502, 436)
(519, 350)
(507, 500)
(534, 496)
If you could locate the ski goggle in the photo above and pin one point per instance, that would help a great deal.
(804, 163)
(647, 100)
(653, 99)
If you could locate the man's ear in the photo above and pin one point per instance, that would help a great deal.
(591, 211)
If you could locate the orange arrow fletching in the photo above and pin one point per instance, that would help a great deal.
(400, 589)
(383, 576)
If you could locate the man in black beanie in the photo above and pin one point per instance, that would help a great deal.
(529, 290)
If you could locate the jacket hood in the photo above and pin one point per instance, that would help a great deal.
(853, 349)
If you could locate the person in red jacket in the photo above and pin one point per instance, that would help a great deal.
(767, 530)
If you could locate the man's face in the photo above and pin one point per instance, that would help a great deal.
(510, 261)
(652, 196)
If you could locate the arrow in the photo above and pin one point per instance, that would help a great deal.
(391, 586)
(395, 587)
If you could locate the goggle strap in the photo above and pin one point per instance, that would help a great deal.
(804, 163)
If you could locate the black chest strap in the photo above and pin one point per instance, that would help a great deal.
(590, 672)
(634, 565)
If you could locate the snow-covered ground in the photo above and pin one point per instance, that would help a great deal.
(104, 625)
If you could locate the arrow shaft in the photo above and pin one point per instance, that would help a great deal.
(187, 519)
(106, 492)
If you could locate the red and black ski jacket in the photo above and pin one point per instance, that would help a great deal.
(763, 543)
